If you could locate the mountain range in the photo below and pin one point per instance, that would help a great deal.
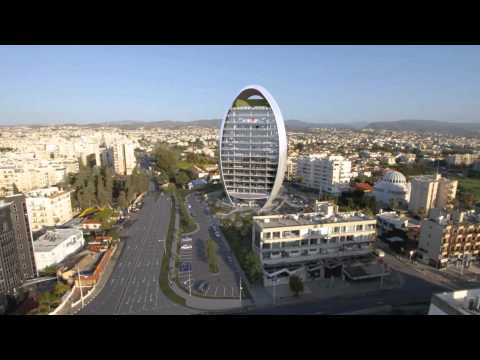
(429, 126)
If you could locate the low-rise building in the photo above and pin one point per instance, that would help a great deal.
(391, 221)
(460, 302)
(55, 245)
(308, 244)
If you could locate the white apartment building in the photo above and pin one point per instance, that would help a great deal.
(49, 207)
(120, 156)
(329, 174)
(54, 246)
(431, 191)
(462, 159)
(310, 243)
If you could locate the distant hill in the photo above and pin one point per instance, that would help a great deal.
(458, 129)
(213, 123)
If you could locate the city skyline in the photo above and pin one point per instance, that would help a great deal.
(320, 84)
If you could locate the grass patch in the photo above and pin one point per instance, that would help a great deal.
(470, 185)
(164, 285)
(187, 224)
(184, 165)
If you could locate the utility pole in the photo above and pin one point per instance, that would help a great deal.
(274, 287)
(240, 290)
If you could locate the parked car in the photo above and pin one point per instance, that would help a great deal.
(186, 247)
(201, 286)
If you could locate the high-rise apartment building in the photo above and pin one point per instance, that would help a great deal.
(49, 207)
(120, 156)
(10, 274)
(23, 236)
(328, 174)
(253, 148)
(431, 191)
(17, 261)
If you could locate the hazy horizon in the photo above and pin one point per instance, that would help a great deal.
(316, 84)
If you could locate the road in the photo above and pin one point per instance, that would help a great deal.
(415, 290)
(133, 287)
(224, 284)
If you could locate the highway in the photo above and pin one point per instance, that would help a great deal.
(133, 287)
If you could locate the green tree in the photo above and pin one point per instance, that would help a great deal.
(295, 284)
(122, 200)
(165, 159)
(60, 289)
(46, 301)
(252, 266)
(182, 179)
(212, 256)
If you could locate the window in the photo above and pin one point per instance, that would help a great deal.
(359, 228)
(276, 235)
(267, 235)
(304, 242)
(313, 241)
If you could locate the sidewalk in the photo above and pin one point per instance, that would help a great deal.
(69, 310)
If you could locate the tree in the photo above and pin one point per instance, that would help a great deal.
(60, 289)
(122, 200)
(295, 284)
(181, 179)
(252, 266)
(46, 300)
(212, 256)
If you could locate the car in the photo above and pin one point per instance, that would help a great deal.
(189, 206)
(187, 283)
(186, 247)
(185, 266)
(186, 239)
(201, 286)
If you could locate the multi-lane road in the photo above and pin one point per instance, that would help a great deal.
(133, 287)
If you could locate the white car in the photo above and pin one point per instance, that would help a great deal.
(186, 247)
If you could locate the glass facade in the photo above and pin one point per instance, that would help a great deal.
(252, 152)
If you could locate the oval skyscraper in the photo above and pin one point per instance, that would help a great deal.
(253, 148)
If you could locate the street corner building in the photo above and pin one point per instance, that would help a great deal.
(253, 148)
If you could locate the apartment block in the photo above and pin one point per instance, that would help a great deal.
(49, 207)
(431, 191)
(449, 236)
(329, 174)
(308, 244)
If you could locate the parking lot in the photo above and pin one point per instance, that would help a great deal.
(193, 268)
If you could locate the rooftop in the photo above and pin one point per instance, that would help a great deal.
(457, 302)
(53, 238)
(316, 218)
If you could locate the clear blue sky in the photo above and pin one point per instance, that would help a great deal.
(51, 84)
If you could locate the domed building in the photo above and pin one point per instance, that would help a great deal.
(392, 187)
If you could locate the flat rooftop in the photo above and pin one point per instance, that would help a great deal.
(454, 302)
(53, 238)
(311, 219)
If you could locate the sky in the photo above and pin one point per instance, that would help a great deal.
(348, 84)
